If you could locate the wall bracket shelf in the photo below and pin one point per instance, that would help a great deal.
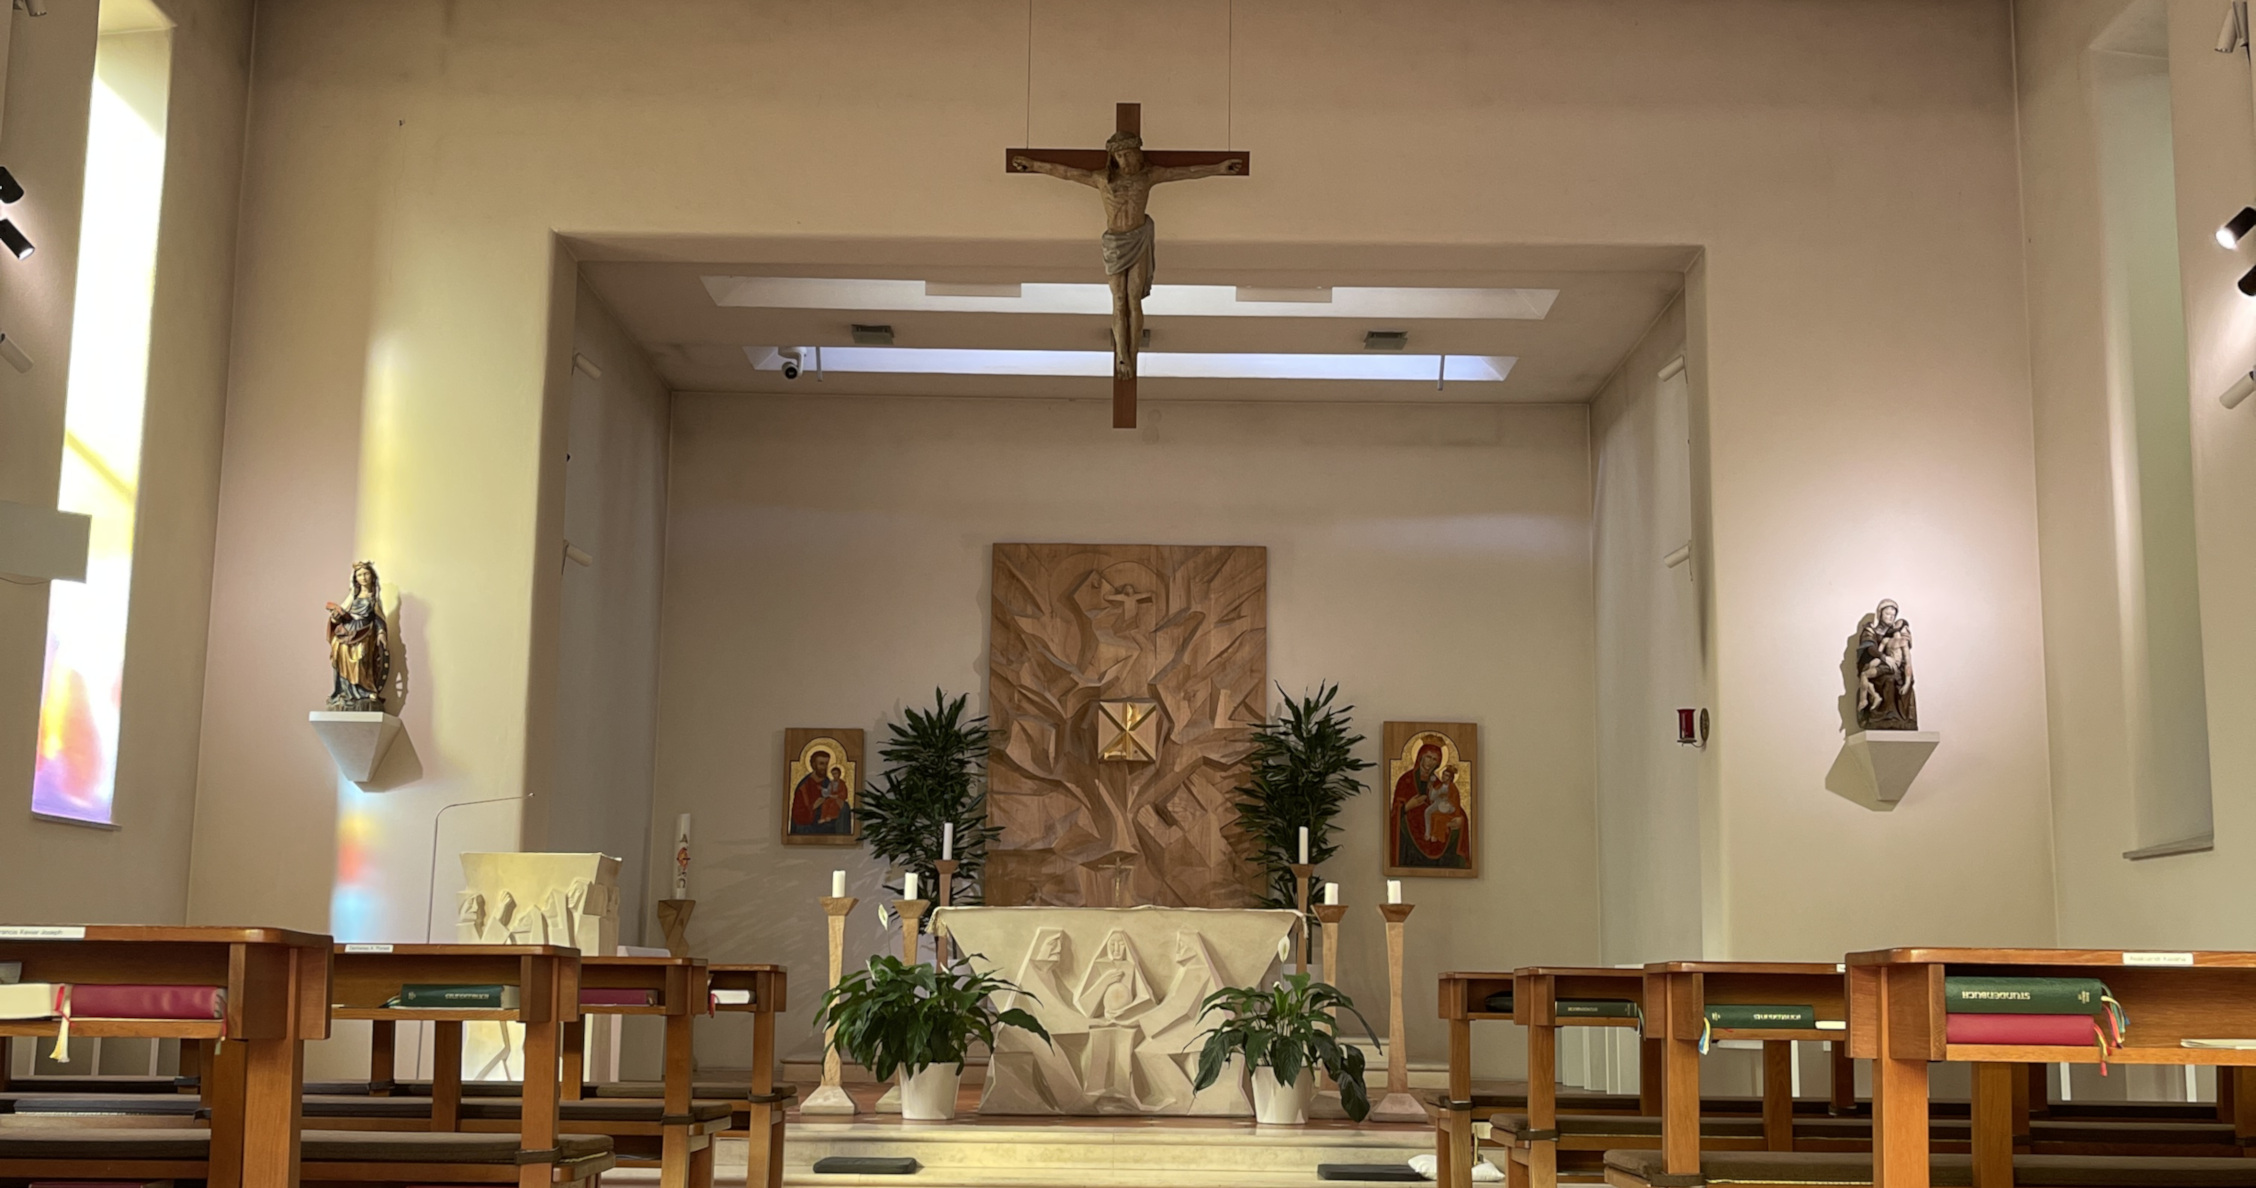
(1891, 759)
(357, 741)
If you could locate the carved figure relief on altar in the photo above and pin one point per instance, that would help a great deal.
(1119, 993)
(822, 787)
(1123, 683)
(1431, 822)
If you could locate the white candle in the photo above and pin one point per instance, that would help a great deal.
(947, 841)
(681, 857)
(1304, 845)
(838, 884)
(1331, 895)
(1394, 890)
(908, 886)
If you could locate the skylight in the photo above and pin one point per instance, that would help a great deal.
(1205, 301)
(1151, 364)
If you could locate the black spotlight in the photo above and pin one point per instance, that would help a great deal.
(2235, 229)
(2247, 279)
(14, 240)
(11, 190)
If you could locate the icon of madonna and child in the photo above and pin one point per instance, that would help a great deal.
(1429, 827)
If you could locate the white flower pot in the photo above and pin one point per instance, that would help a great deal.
(929, 1094)
(1282, 1105)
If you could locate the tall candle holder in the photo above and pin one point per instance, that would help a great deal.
(673, 921)
(912, 913)
(1302, 872)
(947, 876)
(831, 1097)
(1329, 915)
(1397, 1105)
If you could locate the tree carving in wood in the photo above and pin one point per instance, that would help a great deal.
(1185, 626)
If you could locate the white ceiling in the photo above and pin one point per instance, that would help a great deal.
(1607, 298)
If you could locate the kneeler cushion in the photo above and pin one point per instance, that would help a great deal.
(866, 1165)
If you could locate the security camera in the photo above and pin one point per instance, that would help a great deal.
(790, 356)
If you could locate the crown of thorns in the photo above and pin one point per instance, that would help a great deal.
(1123, 140)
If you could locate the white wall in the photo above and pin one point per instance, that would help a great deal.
(1649, 657)
(2192, 900)
(828, 561)
(1848, 169)
(139, 872)
(607, 670)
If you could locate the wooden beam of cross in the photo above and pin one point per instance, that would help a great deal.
(1123, 173)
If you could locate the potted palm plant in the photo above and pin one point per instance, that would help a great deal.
(918, 1020)
(1299, 774)
(1285, 1033)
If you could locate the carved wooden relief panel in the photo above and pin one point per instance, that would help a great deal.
(1184, 627)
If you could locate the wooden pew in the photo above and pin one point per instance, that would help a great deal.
(1462, 1000)
(668, 1128)
(1897, 1018)
(277, 985)
(763, 1124)
(1677, 996)
(547, 979)
(1536, 993)
(680, 987)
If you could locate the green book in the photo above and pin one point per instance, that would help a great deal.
(472, 998)
(2023, 996)
(1752, 1017)
(1595, 1008)
(1499, 1003)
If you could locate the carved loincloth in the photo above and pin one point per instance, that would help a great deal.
(1123, 250)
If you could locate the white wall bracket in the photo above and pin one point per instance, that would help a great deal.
(1891, 759)
(357, 741)
(43, 544)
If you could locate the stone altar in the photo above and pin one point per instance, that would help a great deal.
(1119, 990)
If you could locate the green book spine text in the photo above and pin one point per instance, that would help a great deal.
(2024, 996)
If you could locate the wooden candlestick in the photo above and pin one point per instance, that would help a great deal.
(673, 920)
(947, 868)
(1302, 872)
(1397, 1105)
(831, 1097)
(912, 913)
(1330, 915)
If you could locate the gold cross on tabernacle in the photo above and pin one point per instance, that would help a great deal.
(1123, 173)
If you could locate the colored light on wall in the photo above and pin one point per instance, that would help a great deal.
(76, 773)
(356, 900)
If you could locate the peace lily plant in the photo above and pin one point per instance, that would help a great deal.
(1285, 1033)
(918, 1020)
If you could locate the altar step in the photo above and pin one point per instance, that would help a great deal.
(1086, 1153)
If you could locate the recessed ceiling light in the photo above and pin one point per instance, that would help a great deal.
(1369, 303)
(1152, 364)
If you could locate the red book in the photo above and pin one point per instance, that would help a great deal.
(2049, 1030)
(614, 996)
(147, 1002)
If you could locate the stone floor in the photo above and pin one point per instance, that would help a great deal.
(1022, 1152)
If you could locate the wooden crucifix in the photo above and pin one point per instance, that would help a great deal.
(1123, 173)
